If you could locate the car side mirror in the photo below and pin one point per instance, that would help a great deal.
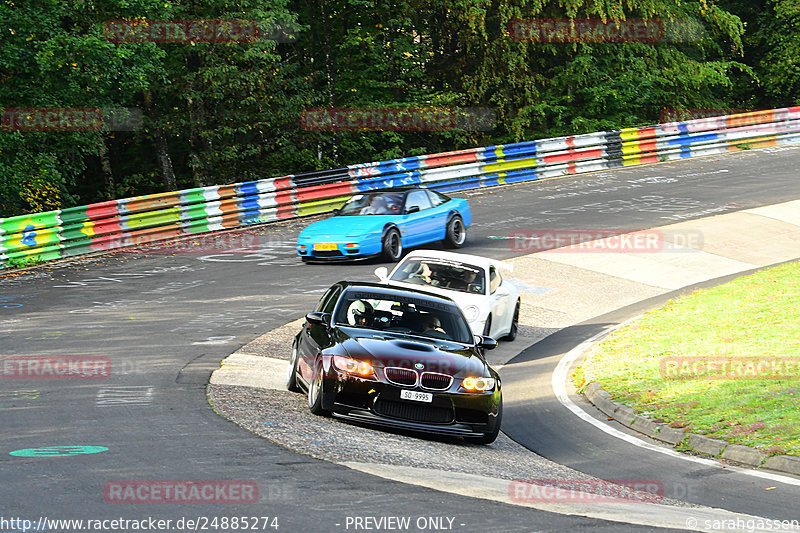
(382, 273)
(320, 319)
(412, 209)
(485, 342)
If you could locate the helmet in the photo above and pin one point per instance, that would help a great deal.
(359, 313)
(432, 322)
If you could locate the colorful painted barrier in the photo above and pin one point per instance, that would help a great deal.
(133, 221)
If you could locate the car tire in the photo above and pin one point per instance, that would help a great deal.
(512, 333)
(291, 377)
(487, 329)
(392, 246)
(488, 438)
(315, 393)
(456, 233)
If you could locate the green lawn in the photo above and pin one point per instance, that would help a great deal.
(755, 317)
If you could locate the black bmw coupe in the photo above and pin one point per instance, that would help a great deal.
(396, 357)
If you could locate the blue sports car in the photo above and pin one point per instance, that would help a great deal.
(384, 223)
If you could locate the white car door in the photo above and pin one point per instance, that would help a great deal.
(502, 307)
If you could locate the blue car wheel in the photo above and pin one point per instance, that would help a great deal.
(392, 246)
(456, 233)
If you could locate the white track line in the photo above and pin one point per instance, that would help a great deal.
(559, 380)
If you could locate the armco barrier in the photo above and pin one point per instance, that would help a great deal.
(132, 221)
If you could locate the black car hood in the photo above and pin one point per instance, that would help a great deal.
(385, 349)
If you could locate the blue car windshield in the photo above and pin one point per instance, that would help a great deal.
(374, 203)
(405, 314)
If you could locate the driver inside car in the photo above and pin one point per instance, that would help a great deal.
(360, 313)
(424, 275)
(432, 323)
(470, 282)
(377, 206)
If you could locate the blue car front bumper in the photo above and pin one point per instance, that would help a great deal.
(310, 250)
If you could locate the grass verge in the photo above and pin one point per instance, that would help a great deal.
(722, 362)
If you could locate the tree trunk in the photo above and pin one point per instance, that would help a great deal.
(326, 29)
(166, 164)
(105, 166)
(162, 149)
(197, 123)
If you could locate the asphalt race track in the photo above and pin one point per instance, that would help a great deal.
(166, 320)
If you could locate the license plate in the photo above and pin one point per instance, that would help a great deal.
(416, 396)
(325, 246)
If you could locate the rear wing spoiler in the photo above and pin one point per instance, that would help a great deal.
(503, 265)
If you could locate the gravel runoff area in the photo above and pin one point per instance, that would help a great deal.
(283, 418)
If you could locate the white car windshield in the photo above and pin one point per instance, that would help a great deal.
(409, 315)
(446, 275)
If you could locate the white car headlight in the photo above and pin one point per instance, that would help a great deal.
(471, 312)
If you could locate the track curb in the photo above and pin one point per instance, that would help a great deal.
(678, 438)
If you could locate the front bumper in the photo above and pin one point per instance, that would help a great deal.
(346, 249)
(379, 403)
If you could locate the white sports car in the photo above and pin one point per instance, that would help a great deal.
(489, 303)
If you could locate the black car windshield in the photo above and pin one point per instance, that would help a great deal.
(374, 203)
(408, 314)
(444, 274)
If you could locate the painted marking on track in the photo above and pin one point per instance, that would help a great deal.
(20, 394)
(58, 451)
(132, 395)
(709, 211)
(7, 302)
(270, 253)
(122, 277)
(216, 340)
(176, 286)
(644, 204)
(531, 287)
(559, 380)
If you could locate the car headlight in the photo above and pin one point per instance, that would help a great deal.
(471, 312)
(478, 384)
(352, 366)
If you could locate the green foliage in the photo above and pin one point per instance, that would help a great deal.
(544, 89)
(222, 112)
(779, 30)
(22, 262)
(663, 365)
